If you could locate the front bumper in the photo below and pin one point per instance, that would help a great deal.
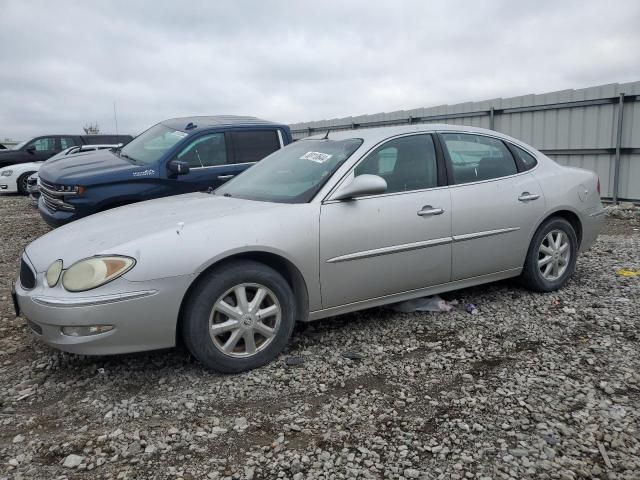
(8, 185)
(56, 218)
(144, 314)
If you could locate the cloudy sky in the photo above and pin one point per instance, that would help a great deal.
(64, 63)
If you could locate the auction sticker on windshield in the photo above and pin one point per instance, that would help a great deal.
(317, 157)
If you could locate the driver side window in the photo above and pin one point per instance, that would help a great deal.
(43, 144)
(406, 163)
(207, 151)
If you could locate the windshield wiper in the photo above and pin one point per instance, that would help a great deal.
(226, 195)
(133, 160)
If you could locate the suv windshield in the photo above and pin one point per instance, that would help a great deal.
(150, 145)
(293, 174)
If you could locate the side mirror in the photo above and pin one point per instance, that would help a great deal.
(178, 167)
(30, 150)
(360, 186)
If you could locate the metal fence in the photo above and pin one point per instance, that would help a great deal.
(597, 128)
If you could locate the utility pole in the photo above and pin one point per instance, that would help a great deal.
(115, 116)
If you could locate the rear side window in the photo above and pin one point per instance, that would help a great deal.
(66, 142)
(253, 146)
(407, 163)
(527, 160)
(475, 157)
(206, 151)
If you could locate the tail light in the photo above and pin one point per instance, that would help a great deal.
(598, 186)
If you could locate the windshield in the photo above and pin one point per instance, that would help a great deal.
(150, 145)
(293, 174)
(20, 145)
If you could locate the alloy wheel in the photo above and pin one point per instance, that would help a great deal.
(244, 320)
(554, 255)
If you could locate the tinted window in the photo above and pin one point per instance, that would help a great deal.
(254, 146)
(43, 144)
(476, 158)
(528, 160)
(407, 163)
(66, 142)
(206, 151)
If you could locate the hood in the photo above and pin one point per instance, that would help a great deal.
(91, 168)
(122, 230)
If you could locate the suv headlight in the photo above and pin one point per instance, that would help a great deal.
(95, 271)
(6, 173)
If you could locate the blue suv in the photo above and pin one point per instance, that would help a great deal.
(176, 156)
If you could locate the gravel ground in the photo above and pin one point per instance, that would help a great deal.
(533, 386)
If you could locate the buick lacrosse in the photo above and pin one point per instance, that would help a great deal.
(327, 225)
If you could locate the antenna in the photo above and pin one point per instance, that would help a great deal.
(115, 116)
(326, 135)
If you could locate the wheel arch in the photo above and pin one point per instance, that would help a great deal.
(25, 174)
(567, 214)
(279, 263)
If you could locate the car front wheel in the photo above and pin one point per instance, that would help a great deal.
(239, 317)
(552, 255)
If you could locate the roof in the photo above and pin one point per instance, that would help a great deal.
(202, 122)
(377, 134)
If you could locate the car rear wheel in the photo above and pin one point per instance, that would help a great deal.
(552, 255)
(238, 317)
(22, 183)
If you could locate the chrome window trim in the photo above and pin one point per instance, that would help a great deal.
(462, 132)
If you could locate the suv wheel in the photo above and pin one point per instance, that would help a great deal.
(239, 317)
(552, 256)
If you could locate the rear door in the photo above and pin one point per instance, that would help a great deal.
(394, 242)
(495, 202)
(251, 146)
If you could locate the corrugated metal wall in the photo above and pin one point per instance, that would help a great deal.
(574, 127)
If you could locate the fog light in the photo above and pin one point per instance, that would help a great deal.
(86, 331)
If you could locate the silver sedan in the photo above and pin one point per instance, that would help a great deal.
(328, 225)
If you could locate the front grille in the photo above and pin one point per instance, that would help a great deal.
(52, 198)
(27, 277)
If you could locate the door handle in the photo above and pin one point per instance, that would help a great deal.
(428, 211)
(527, 197)
(225, 177)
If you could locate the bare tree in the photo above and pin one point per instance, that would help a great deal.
(91, 128)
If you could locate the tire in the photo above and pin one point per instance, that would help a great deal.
(22, 183)
(214, 306)
(547, 266)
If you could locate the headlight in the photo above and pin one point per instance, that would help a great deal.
(53, 273)
(95, 271)
(6, 173)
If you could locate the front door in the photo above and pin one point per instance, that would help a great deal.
(495, 207)
(390, 243)
(209, 162)
(42, 148)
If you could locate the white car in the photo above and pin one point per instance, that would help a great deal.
(13, 179)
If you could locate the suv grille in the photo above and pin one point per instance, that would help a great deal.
(27, 277)
(53, 198)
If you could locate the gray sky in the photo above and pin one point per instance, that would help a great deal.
(64, 63)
